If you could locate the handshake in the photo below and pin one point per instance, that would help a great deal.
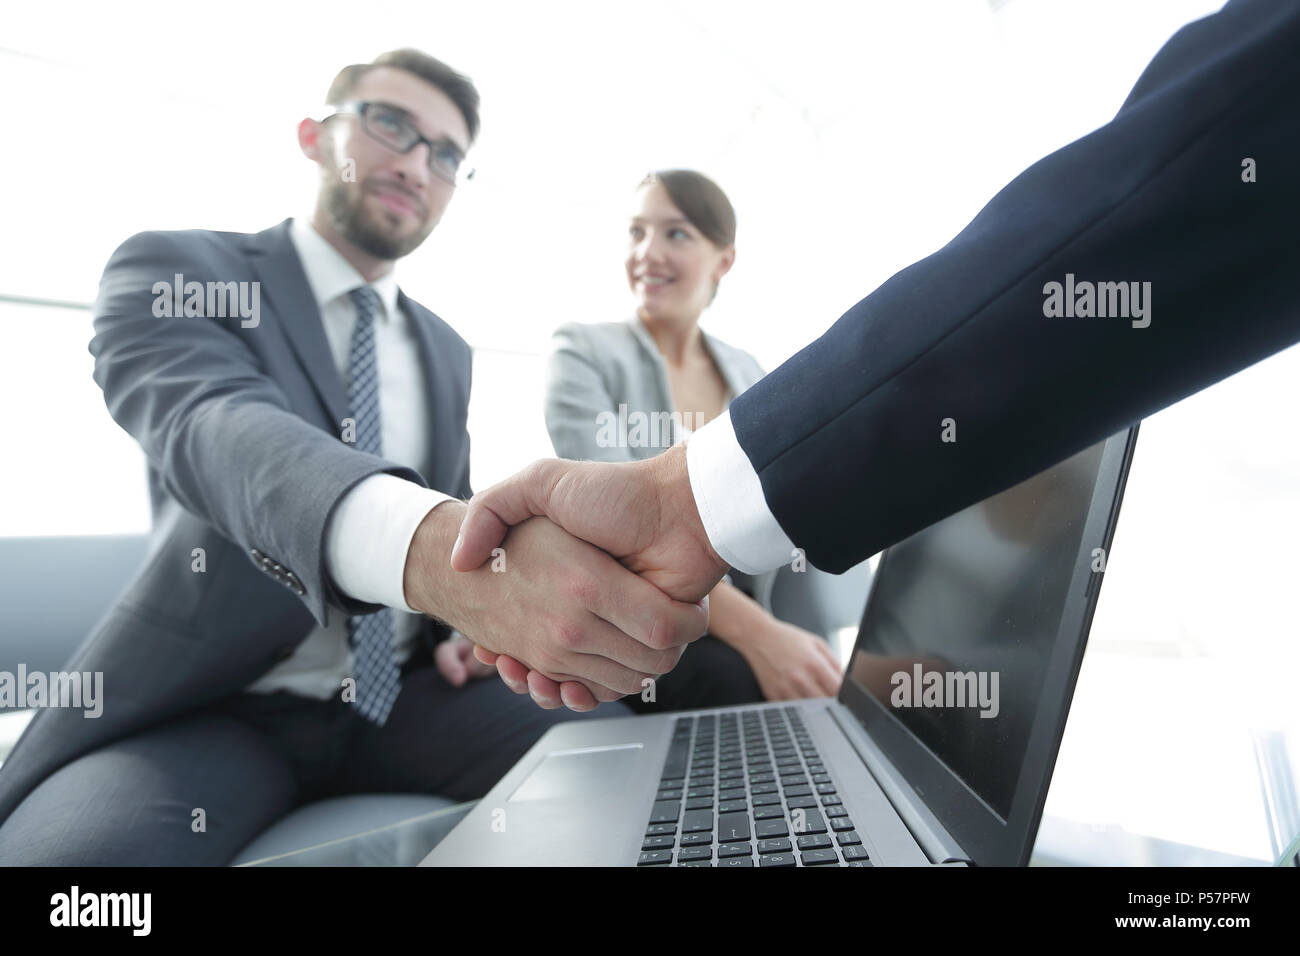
(577, 580)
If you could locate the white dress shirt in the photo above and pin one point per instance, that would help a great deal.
(729, 498)
(371, 529)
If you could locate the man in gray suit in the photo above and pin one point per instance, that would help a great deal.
(277, 646)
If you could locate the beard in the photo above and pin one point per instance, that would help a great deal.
(347, 210)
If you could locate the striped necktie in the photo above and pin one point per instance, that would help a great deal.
(370, 635)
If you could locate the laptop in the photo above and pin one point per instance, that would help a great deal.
(938, 750)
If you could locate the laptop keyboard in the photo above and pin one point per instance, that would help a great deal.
(748, 788)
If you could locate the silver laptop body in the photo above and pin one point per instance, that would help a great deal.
(938, 750)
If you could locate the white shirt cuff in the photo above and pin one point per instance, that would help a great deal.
(729, 498)
(370, 534)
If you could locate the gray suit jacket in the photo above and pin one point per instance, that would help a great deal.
(595, 369)
(241, 428)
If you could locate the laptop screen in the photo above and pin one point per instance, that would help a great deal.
(963, 618)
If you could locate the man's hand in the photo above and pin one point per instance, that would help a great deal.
(642, 513)
(456, 662)
(568, 609)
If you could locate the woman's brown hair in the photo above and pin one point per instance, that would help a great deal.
(701, 201)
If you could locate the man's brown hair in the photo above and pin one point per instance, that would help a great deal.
(459, 89)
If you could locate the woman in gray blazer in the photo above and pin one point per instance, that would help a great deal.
(624, 391)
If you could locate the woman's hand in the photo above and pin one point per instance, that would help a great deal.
(791, 663)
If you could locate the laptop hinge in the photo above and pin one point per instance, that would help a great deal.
(930, 835)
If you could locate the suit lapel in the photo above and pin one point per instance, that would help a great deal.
(438, 392)
(284, 283)
(730, 374)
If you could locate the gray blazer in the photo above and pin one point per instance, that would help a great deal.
(608, 399)
(596, 368)
(241, 429)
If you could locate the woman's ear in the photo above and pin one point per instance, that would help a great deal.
(725, 263)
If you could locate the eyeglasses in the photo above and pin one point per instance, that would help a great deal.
(393, 127)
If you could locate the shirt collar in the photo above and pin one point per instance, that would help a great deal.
(330, 275)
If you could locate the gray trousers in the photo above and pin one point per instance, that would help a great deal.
(249, 760)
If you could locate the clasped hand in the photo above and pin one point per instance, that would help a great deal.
(654, 595)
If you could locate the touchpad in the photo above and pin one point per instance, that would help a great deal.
(589, 771)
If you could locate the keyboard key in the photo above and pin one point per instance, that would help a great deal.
(665, 811)
(655, 858)
(774, 846)
(771, 828)
(820, 858)
(696, 821)
(836, 812)
(657, 842)
(696, 839)
(700, 803)
(659, 829)
(733, 806)
(764, 788)
(849, 839)
(814, 842)
(668, 795)
(811, 822)
(737, 861)
(826, 788)
(854, 853)
(840, 824)
(777, 859)
(696, 863)
(860, 863)
(731, 785)
(831, 800)
(801, 803)
(802, 792)
(678, 752)
(733, 828)
(734, 849)
(766, 800)
(769, 813)
(821, 778)
(694, 853)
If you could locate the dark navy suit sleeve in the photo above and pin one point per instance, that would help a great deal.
(848, 436)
